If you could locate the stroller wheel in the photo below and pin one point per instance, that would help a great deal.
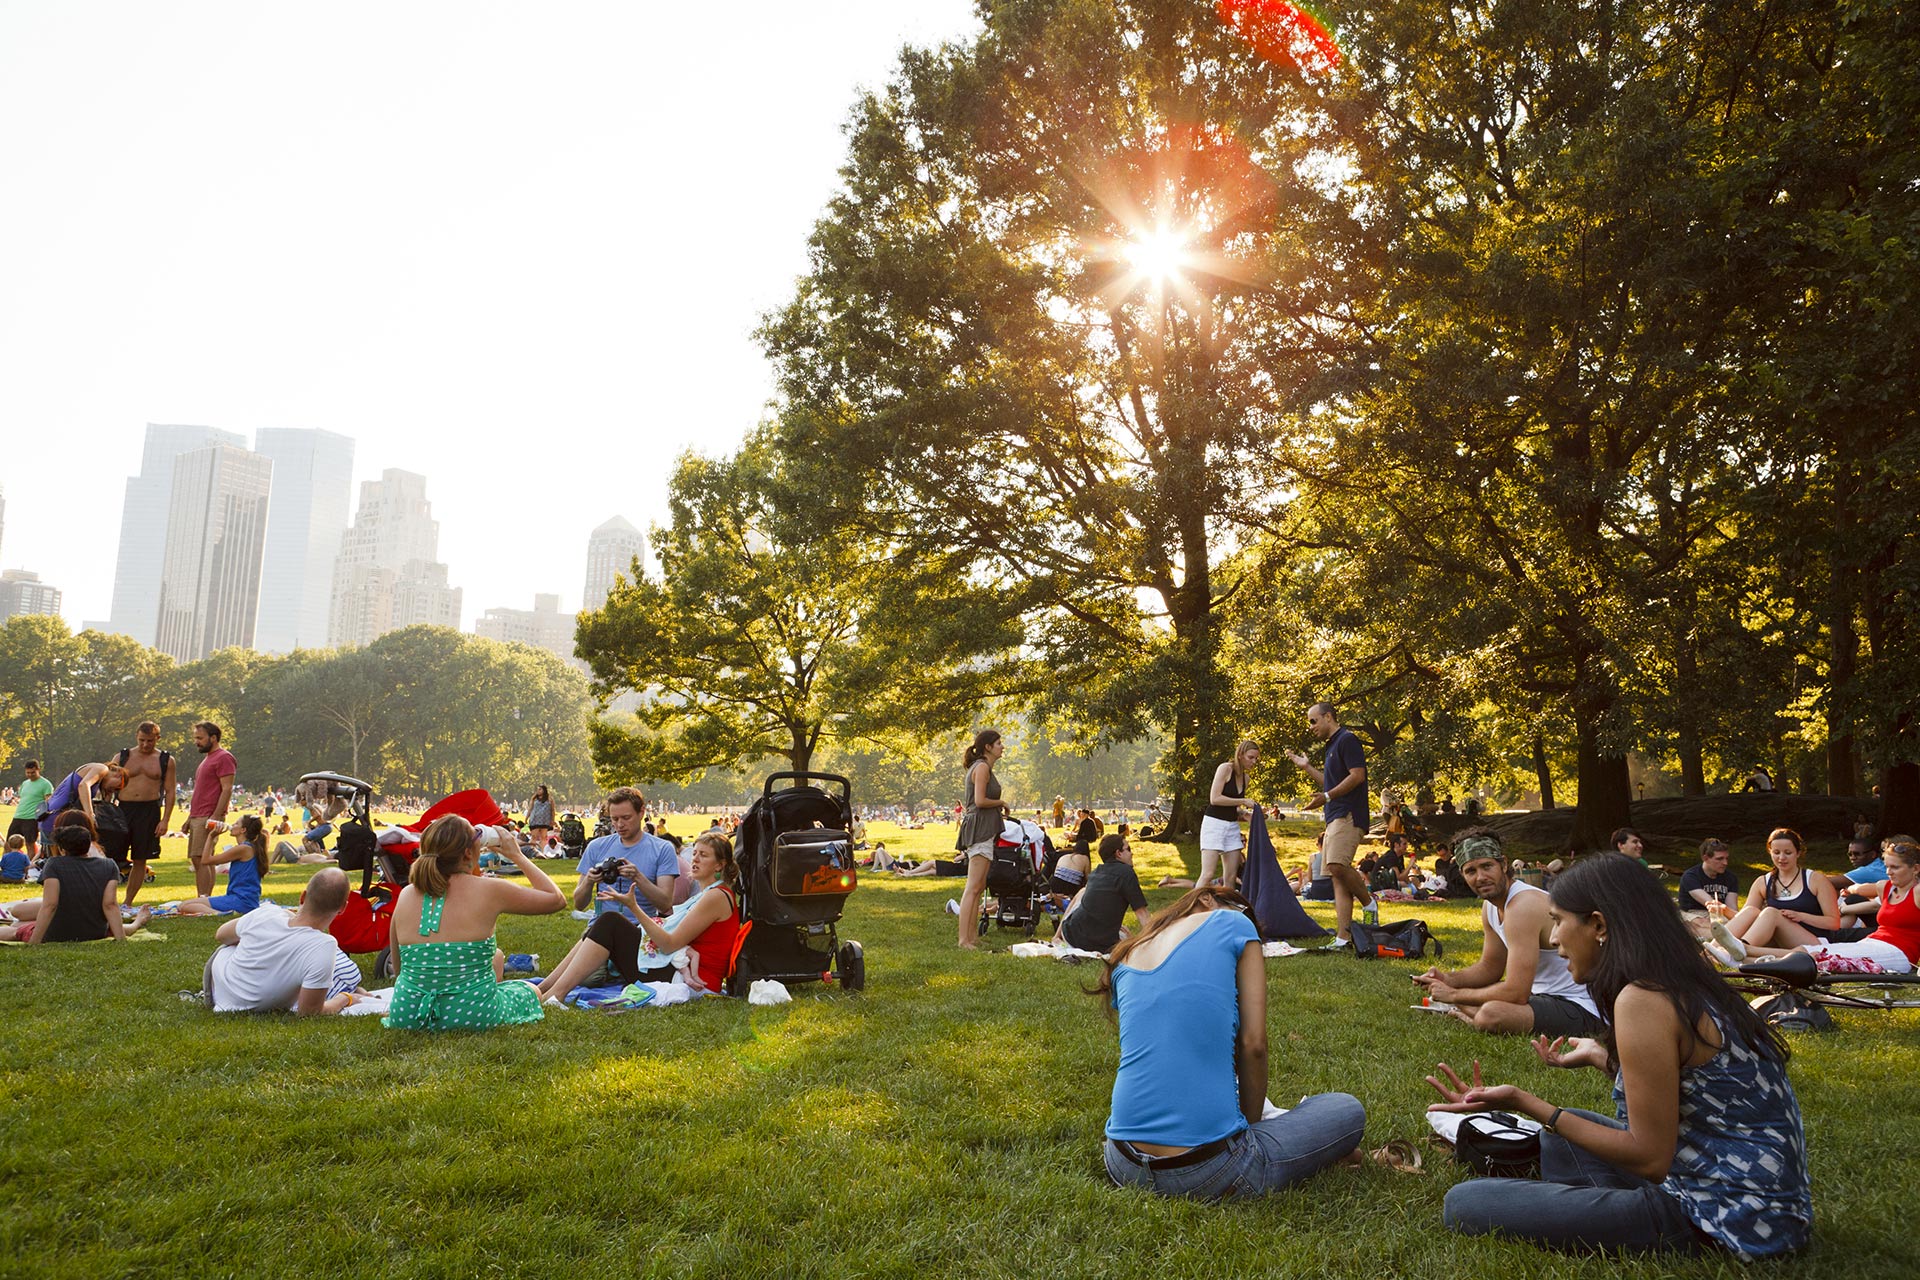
(383, 963)
(851, 964)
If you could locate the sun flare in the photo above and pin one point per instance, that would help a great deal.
(1157, 254)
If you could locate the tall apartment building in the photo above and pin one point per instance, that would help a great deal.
(611, 550)
(214, 551)
(387, 574)
(543, 627)
(22, 593)
(144, 518)
(312, 498)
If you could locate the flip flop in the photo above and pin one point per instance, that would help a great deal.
(1399, 1155)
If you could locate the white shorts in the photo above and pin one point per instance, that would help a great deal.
(1884, 954)
(982, 850)
(1220, 835)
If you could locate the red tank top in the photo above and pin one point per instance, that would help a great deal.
(1900, 923)
(715, 946)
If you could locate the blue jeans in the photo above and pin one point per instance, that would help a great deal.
(1580, 1202)
(1263, 1157)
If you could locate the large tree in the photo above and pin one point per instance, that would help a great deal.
(770, 633)
(1041, 329)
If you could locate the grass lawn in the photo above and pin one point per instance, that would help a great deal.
(945, 1122)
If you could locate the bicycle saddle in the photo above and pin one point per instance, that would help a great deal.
(1795, 970)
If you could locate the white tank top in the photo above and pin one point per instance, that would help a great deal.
(1551, 977)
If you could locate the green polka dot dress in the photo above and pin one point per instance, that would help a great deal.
(444, 985)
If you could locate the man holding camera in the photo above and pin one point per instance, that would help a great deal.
(628, 858)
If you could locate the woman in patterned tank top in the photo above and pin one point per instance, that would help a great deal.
(1707, 1150)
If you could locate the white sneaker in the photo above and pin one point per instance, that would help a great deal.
(1337, 944)
(953, 906)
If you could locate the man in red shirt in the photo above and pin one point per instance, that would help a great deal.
(212, 791)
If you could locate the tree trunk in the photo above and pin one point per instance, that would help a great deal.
(1900, 799)
(1606, 795)
(1843, 658)
(800, 755)
(1542, 770)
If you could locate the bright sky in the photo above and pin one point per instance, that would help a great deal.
(519, 248)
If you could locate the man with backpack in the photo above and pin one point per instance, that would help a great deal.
(1520, 985)
(146, 802)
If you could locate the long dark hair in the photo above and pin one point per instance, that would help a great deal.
(253, 834)
(981, 741)
(1647, 944)
(1209, 897)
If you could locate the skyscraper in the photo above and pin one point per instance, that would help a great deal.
(144, 519)
(543, 627)
(611, 550)
(312, 493)
(387, 574)
(214, 551)
(22, 593)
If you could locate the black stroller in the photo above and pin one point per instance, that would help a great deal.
(573, 835)
(1017, 879)
(796, 870)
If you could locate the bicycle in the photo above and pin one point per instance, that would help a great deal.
(1799, 974)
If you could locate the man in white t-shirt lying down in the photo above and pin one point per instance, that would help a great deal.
(272, 958)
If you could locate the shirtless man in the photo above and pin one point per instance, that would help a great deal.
(147, 801)
(1520, 985)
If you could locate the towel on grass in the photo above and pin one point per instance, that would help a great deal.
(636, 995)
(369, 1005)
(1264, 884)
(1055, 950)
(145, 935)
(1278, 950)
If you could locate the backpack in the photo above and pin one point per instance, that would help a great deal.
(1401, 940)
(1494, 1145)
(1790, 1011)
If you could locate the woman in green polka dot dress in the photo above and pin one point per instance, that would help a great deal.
(443, 926)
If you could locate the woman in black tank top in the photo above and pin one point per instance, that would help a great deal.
(1220, 840)
(1789, 906)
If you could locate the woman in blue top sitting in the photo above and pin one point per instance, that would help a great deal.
(1190, 1114)
(1708, 1150)
(246, 860)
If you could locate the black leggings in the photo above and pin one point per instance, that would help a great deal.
(623, 940)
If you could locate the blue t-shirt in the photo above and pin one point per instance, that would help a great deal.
(1343, 757)
(1179, 1027)
(1873, 873)
(13, 866)
(651, 856)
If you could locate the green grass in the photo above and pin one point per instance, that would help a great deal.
(945, 1122)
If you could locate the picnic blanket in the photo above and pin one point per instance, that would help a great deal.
(635, 995)
(145, 935)
(1275, 908)
(1055, 950)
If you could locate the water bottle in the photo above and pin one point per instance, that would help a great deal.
(1370, 914)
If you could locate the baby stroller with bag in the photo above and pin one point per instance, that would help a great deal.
(1017, 879)
(796, 870)
(573, 835)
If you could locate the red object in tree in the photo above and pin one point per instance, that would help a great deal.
(1281, 31)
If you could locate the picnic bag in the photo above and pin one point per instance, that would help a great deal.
(1494, 1145)
(1401, 940)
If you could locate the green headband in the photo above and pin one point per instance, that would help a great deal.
(1474, 847)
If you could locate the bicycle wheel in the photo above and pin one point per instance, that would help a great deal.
(1867, 991)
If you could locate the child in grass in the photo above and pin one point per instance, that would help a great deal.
(247, 861)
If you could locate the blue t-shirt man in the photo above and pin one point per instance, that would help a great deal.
(1871, 873)
(1344, 755)
(651, 856)
(13, 866)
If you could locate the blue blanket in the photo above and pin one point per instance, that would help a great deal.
(1265, 885)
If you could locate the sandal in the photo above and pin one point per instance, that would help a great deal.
(1399, 1155)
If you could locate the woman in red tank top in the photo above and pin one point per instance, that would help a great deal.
(1895, 944)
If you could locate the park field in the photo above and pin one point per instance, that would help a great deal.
(945, 1122)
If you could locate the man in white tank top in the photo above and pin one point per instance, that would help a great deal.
(1520, 985)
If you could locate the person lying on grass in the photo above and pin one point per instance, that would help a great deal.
(443, 925)
(247, 863)
(1188, 1115)
(1894, 945)
(1708, 1149)
(275, 959)
(79, 889)
(1519, 985)
(703, 928)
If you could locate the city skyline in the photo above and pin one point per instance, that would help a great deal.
(524, 255)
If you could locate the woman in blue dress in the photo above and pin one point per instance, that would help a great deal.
(246, 860)
(1706, 1150)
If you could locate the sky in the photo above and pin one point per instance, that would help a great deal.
(518, 248)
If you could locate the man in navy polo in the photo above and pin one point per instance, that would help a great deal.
(1342, 787)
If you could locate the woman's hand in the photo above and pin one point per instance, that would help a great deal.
(1570, 1052)
(1478, 1096)
(626, 899)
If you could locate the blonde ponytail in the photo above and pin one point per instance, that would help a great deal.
(443, 852)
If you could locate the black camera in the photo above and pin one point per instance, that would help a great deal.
(609, 871)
